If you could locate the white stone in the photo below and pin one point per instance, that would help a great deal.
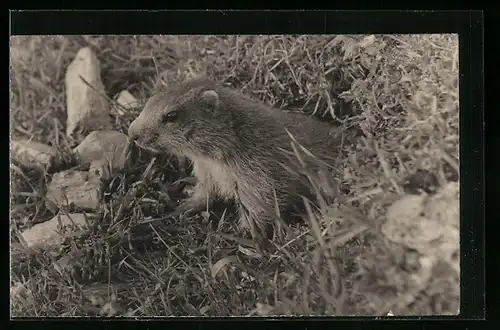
(444, 206)
(428, 224)
(105, 148)
(81, 190)
(126, 100)
(405, 225)
(33, 154)
(49, 233)
(87, 107)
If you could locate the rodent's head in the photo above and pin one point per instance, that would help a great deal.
(178, 119)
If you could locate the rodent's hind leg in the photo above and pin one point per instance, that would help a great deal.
(257, 213)
(260, 229)
(257, 224)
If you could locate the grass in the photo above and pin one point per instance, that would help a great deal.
(400, 91)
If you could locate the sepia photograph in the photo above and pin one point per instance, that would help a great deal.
(234, 175)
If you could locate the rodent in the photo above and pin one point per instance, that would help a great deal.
(235, 143)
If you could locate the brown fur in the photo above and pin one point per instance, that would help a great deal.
(235, 145)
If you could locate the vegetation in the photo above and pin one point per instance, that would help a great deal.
(401, 92)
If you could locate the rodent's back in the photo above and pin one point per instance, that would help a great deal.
(261, 125)
(262, 142)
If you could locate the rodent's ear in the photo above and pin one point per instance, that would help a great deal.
(211, 98)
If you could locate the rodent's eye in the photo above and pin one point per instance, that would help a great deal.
(170, 116)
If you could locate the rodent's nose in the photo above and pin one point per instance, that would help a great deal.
(133, 137)
(132, 132)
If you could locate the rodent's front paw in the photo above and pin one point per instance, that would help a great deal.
(188, 207)
(181, 183)
(184, 186)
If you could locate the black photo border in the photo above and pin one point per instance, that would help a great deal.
(469, 26)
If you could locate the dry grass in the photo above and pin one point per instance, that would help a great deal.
(400, 91)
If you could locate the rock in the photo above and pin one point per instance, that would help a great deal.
(105, 148)
(126, 100)
(34, 154)
(49, 233)
(444, 206)
(429, 225)
(78, 189)
(87, 107)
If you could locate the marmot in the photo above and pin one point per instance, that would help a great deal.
(239, 147)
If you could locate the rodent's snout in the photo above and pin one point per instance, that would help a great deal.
(133, 132)
(142, 136)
